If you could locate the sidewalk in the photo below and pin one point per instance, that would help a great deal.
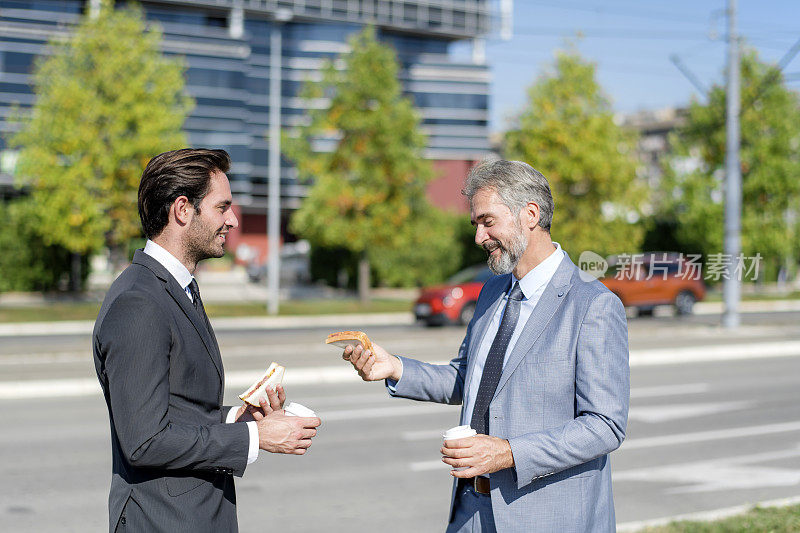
(222, 324)
(349, 320)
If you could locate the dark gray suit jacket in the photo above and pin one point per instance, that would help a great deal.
(161, 373)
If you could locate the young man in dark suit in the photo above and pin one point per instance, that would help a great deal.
(175, 448)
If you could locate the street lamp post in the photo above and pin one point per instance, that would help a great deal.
(274, 192)
(731, 288)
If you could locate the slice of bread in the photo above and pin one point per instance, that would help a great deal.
(271, 378)
(343, 339)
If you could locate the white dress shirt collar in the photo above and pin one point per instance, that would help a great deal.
(541, 274)
(170, 262)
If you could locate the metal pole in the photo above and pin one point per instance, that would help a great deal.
(733, 178)
(274, 204)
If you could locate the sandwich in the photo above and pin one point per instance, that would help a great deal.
(343, 339)
(271, 378)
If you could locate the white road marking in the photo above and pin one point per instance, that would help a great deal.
(424, 466)
(705, 516)
(427, 434)
(718, 434)
(641, 392)
(669, 390)
(49, 388)
(384, 412)
(663, 413)
(720, 475)
(342, 373)
(723, 352)
(652, 442)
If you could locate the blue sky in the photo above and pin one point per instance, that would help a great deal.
(631, 43)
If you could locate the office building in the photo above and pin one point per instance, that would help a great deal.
(226, 45)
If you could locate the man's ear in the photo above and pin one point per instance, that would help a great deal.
(530, 215)
(182, 210)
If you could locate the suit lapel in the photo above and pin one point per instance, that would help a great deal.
(179, 295)
(552, 298)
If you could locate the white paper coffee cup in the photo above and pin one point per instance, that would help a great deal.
(459, 432)
(296, 409)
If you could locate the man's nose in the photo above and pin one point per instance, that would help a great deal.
(480, 235)
(232, 221)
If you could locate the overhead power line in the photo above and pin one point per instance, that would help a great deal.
(611, 33)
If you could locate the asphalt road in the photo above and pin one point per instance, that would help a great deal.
(702, 436)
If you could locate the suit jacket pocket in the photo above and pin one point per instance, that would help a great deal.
(181, 485)
(559, 346)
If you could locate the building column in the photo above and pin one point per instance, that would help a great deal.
(236, 20)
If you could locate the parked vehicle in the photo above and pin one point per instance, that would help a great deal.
(294, 268)
(656, 279)
(453, 302)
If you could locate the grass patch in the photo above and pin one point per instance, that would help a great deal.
(309, 307)
(50, 312)
(59, 311)
(747, 297)
(759, 519)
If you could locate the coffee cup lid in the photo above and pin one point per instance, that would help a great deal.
(459, 432)
(296, 409)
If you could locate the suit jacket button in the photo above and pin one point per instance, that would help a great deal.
(122, 520)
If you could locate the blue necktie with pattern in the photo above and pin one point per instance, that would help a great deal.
(493, 367)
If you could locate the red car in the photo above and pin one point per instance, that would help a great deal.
(454, 302)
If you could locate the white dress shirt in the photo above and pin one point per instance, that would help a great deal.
(532, 285)
(184, 278)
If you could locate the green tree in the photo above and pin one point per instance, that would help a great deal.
(770, 166)
(368, 192)
(27, 263)
(567, 131)
(107, 100)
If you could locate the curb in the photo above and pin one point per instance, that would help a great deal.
(752, 306)
(355, 320)
(706, 516)
(85, 327)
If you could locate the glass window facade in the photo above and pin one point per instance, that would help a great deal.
(228, 73)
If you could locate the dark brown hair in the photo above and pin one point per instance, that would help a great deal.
(185, 172)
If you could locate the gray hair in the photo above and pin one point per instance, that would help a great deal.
(516, 183)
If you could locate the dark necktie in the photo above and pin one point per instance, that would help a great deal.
(198, 303)
(494, 362)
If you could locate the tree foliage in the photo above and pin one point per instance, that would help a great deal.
(363, 155)
(27, 263)
(106, 102)
(770, 166)
(567, 131)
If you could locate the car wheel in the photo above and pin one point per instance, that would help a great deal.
(466, 313)
(684, 302)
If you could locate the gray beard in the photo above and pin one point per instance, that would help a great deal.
(509, 256)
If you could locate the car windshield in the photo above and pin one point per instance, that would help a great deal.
(479, 273)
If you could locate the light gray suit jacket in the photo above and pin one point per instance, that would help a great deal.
(161, 373)
(562, 403)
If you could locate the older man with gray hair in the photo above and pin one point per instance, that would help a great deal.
(542, 373)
